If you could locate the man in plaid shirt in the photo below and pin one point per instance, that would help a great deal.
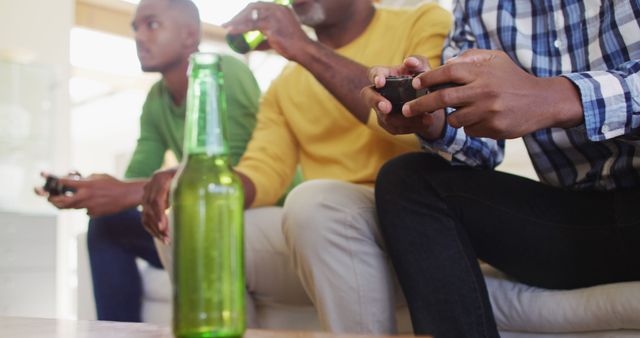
(565, 76)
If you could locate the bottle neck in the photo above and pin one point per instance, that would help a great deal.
(205, 127)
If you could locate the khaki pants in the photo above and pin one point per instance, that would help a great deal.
(322, 249)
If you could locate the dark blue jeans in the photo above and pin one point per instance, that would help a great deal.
(114, 242)
(438, 220)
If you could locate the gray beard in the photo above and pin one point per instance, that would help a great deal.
(315, 16)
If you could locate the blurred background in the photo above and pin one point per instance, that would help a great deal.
(71, 92)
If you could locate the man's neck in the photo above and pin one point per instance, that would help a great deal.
(344, 32)
(177, 82)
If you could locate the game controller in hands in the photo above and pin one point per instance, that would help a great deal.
(53, 186)
(398, 90)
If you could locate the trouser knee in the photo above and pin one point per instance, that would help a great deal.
(405, 172)
(112, 228)
(407, 182)
(318, 212)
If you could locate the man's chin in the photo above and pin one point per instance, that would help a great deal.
(313, 17)
(150, 68)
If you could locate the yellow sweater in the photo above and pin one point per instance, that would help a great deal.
(300, 122)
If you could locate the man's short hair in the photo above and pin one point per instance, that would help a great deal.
(189, 11)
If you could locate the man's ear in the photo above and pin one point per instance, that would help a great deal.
(190, 37)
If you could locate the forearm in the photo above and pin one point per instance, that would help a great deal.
(342, 77)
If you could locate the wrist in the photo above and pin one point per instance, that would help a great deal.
(564, 102)
(133, 192)
(307, 52)
(436, 130)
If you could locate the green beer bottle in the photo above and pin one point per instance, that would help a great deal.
(245, 42)
(207, 216)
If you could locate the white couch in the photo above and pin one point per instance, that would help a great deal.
(521, 311)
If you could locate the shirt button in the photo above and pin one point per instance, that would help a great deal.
(557, 44)
(559, 18)
(605, 129)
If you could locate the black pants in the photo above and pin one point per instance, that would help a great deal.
(438, 220)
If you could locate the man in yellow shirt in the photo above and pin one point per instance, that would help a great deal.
(312, 116)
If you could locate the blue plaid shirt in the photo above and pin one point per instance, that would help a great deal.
(593, 43)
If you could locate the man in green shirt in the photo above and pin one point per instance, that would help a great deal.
(166, 33)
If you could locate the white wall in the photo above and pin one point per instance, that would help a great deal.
(36, 32)
(39, 26)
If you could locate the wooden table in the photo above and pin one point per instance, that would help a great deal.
(58, 328)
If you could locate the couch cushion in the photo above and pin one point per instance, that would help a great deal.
(519, 307)
(156, 312)
(156, 285)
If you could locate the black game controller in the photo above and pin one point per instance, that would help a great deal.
(54, 188)
(398, 90)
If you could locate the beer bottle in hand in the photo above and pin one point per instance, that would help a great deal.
(207, 215)
(246, 42)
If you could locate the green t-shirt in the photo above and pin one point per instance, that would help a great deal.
(162, 122)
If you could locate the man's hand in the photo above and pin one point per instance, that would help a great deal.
(100, 194)
(428, 124)
(155, 201)
(278, 23)
(497, 99)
